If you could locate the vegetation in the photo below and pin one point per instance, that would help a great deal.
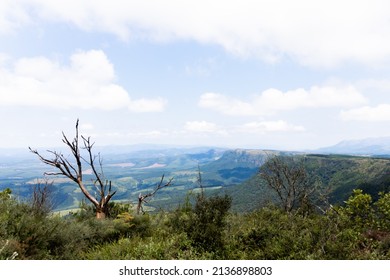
(202, 229)
(294, 207)
(332, 179)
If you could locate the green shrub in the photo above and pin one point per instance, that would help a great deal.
(177, 246)
(358, 209)
(383, 211)
(207, 230)
(207, 222)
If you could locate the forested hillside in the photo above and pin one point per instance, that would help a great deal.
(234, 204)
(337, 176)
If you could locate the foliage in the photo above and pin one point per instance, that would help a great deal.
(34, 235)
(202, 228)
(382, 206)
(358, 209)
(5, 194)
(205, 228)
(268, 233)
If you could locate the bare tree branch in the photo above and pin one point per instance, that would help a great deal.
(143, 198)
(75, 173)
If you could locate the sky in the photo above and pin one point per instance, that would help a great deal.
(277, 74)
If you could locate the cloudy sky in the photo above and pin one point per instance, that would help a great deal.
(252, 74)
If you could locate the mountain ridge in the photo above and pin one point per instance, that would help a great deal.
(379, 146)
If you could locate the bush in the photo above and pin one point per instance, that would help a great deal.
(358, 209)
(35, 235)
(207, 222)
(176, 246)
(383, 211)
(205, 230)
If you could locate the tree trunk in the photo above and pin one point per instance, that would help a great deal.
(100, 214)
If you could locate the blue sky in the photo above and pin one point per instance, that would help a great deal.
(250, 74)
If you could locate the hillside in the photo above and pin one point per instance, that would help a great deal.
(223, 171)
(338, 175)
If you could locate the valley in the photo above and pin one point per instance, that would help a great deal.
(223, 171)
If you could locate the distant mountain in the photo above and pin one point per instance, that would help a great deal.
(366, 147)
(240, 158)
(153, 151)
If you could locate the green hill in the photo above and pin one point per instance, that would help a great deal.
(338, 175)
(232, 171)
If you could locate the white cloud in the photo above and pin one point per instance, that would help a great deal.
(251, 127)
(367, 113)
(87, 83)
(147, 105)
(271, 126)
(226, 105)
(12, 15)
(382, 85)
(315, 33)
(200, 126)
(3, 58)
(273, 100)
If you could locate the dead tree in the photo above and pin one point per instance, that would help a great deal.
(287, 176)
(143, 198)
(41, 199)
(73, 170)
